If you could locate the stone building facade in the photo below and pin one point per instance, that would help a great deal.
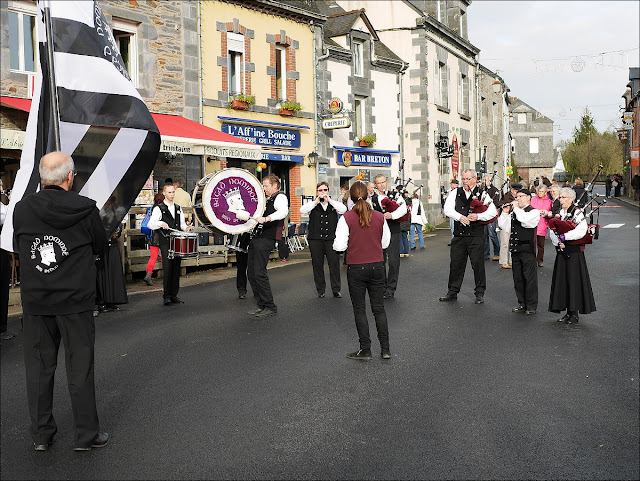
(532, 142)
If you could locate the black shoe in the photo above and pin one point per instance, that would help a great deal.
(518, 309)
(242, 295)
(112, 307)
(573, 319)
(176, 300)
(385, 353)
(413, 248)
(540, 264)
(167, 301)
(479, 300)
(99, 441)
(266, 313)
(387, 295)
(449, 244)
(564, 318)
(6, 335)
(448, 298)
(42, 447)
(320, 294)
(529, 312)
(102, 309)
(147, 279)
(360, 354)
(337, 294)
(253, 312)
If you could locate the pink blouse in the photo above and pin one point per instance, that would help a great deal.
(542, 204)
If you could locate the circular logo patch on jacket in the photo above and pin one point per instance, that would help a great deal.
(47, 252)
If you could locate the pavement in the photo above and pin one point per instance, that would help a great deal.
(204, 391)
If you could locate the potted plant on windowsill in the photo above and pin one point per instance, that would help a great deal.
(288, 107)
(367, 140)
(241, 101)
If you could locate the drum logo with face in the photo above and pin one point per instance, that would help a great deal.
(234, 200)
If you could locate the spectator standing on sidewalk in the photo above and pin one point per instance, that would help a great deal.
(418, 221)
(635, 184)
(543, 204)
(608, 183)
(154, 244)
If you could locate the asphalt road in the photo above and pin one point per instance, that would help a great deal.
(203, 391)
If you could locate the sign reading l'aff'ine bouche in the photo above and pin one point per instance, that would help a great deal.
(363, 158)
(266, 136)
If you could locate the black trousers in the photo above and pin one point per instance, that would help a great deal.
(42, 336)
(319, 250)
(170, 272)
(259, 250)
(362, 278)
(392, 258)
(461, 248)
(283, 249)
(5, 279)
(241, 271)
(525, 279)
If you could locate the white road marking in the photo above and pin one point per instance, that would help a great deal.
(612, 226)
(638, 226)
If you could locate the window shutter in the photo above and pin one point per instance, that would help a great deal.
(459, 93)
(436, 82)
(445, 92)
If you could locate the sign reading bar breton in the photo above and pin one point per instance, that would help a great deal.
(232, 152)
(266, 136)
(336, 123)
(363, 158)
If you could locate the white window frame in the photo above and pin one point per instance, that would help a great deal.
(484, 115)
(522, 118)
(360, 115)
(441, 82)
(463, 24)
(494, 121)
(235, 54)
(21, 9)
(534, 145)
(441, 11)
(464, 83)
(358, 58)
(130, 30)
(281, 53)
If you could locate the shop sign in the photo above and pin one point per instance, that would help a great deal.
(179, 148)
(282, 157)
(336, 123)
(322, 169)
(335, 105)
(455, 158)
(627, 120)
(623, 135)
(251, 154)
(12, 139)
(635, 157)
(266, 136)
(363, 158)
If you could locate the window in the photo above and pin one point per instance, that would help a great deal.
(125, 35)
(441, 82)
(496, 119)
(463, 24)
(522, 118)
(533, 145)
(441, 6)
(281, 73)
(463, 94)
(484, 118)
(358, 59)
(358, 108)
(22, 41)
(235, 52)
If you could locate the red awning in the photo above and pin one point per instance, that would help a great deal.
(173, 128)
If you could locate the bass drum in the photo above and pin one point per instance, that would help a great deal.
(227, 201)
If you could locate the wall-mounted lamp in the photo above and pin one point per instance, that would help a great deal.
(497, 86)
(313, 158)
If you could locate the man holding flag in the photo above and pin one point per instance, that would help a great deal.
(83, 104)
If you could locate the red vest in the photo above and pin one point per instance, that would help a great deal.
(365, 243)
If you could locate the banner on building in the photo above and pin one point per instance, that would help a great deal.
(104, 124)
(455, 158)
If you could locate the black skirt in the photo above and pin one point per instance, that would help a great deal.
(111, 287)
(571, 286)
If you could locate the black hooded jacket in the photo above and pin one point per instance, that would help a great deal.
(58, 233)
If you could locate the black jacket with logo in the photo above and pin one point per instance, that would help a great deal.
(58, 234)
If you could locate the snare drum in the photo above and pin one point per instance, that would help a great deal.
(219, 196)
(183, 244)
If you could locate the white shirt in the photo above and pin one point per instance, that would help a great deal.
(341, 242)
(415, 218)
(281, 205)
(529, 220)
(450, 207)
(155, 222)
(574, 234)
(309, 206)
(3, 213)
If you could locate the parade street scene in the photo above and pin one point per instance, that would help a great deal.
(332, 239)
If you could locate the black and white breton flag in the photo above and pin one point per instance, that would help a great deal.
(104, 124)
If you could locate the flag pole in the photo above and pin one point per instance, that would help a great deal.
(55, 115)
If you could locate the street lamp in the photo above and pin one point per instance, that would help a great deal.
(313, 157)
(497, 86)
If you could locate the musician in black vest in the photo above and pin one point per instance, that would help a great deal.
(391, 253)
(468, 235)
(323, 219)
(165, 216)
(521, 220)
(268, 230)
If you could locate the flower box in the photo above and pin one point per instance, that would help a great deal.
(364, 143)
(239, 105)
(286, 112)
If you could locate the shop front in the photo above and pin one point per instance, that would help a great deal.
(358, 163)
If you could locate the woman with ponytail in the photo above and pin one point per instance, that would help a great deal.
(363, 233)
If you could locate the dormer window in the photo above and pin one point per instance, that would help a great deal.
(358, 58)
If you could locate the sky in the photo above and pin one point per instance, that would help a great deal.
(561, 56)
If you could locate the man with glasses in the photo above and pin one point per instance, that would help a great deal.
(323, 215)
(468, 235)
(521, 221)
(391, 253)
(59, 233)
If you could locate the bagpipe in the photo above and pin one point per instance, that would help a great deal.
(559, 226)
(478, 207)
